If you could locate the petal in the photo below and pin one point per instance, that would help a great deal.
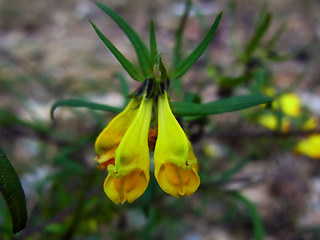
(129, 176)
(178, 181)
(128, 187)
(174, 160)
(309, 146)
(290, 104)
(270, 121)
(109, 139)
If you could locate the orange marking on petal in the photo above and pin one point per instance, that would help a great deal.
(178, 177)
(125, 184)
(104, 165)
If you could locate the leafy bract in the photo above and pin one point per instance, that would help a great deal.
(141, 49)
(153, 43)
(184, 65)
(132, 70)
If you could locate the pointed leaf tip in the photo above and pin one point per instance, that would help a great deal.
(184, 66)
(141, 49)
(132, 70)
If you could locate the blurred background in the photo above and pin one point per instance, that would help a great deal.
(256, 179)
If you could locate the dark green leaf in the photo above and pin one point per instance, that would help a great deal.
(226, 175)
(275, 37)
(141, 49)
(258, 230)
(183, 67)
(219, 106)
(127, 65)
(12, 191)
(153, 43)
(85, 104)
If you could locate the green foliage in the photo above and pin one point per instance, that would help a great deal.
(12, 191)
(153, 44)
(219, 106)
(256, 220)
(127, 65)
(83, 103)
(186, 63)
(141, 49)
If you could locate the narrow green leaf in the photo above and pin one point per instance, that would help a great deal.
(12, 191)
(226, 175)
(141, 49)
(232, 82)
(219, 106)
(261, 29)
(183, 67)
(127, 65)
(275, 37)
(179, 34)
(85, 104)
(153, 43)
(258, 229)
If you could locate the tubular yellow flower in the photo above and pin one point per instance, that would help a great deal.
(109, 139)
(309, 146)
(290, 104)
(129, 176)
(175, 163)
(270, 121)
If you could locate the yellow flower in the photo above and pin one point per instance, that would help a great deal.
(309, 146)
(270, 121)
(174, 160)
(123, 150)
(109, 139)
(310, 124)
(128, 178)
(290, 104)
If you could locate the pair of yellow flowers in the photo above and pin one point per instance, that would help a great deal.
(123, 150)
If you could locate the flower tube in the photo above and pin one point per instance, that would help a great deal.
(109, 139)
(174, 160)
(129, 176)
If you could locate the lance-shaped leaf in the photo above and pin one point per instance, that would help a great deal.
(183, 67)
(258, 230)
(132, 70)
(262, 26)
(141, 49)
(12, 191)
(153, 43)
(85, 104)
(219, 106)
